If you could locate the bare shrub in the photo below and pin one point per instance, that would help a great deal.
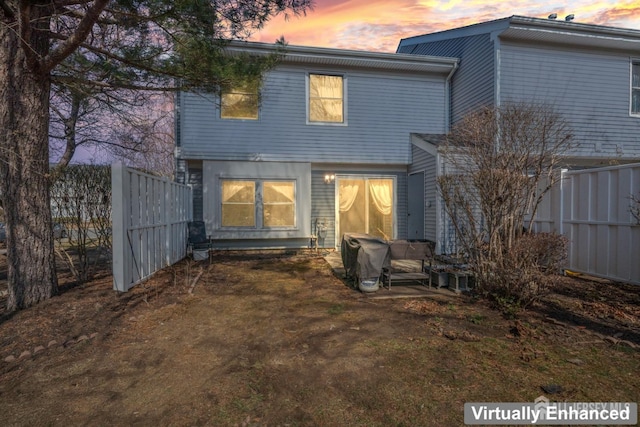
(526, 272)
(498, 165)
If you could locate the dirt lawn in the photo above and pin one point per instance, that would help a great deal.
(279, 340)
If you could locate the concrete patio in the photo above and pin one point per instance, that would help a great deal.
(397, 291)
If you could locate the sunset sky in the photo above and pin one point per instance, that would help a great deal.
(378, 25)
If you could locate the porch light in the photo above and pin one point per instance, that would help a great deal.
(329, 178)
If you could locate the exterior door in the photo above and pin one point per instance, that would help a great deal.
(365, 205)
(415, 221)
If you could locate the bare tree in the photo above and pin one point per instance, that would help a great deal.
(500, 162)
(133, 126)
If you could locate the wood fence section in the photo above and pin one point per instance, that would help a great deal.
(150, 216)
(592, 209)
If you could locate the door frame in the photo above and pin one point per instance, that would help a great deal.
(393, 178)
(418, 203)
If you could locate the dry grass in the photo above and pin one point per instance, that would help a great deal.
(279, 340)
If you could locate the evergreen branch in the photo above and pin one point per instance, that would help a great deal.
(72, 43)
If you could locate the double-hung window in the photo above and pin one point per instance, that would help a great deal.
(326, 99)
(635, 87)
(240, 102)
(258, 204)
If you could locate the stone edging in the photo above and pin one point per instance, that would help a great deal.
(53, 343)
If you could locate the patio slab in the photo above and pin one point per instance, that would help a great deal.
(397, 291)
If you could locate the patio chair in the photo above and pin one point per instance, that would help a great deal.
(198, 240)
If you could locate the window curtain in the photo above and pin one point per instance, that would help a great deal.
(231, 188)
(286, 189)
(380, 192)
(325, 96)
(348, 194)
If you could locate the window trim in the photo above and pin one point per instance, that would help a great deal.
(259, 204)
(632, 62)
(345, 97)
(234, 90)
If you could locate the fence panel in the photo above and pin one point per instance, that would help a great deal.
(150, 216)
(592, 209)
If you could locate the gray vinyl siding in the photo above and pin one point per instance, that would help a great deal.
(473, 84)
(323, 208)
(194, 179)
(426, 162)
(381, 112)
(590, 89)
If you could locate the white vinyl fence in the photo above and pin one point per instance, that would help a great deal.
(150, 216)
(592, 209)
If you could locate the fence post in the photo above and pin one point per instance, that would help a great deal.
(119, 213)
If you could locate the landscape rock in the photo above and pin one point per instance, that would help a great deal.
(10, 358)
(38, 349)
(24, 355)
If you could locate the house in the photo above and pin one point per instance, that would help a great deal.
(588, 73)
(347, 141)
(326, 150)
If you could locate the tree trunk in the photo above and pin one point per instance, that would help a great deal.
(24, 168)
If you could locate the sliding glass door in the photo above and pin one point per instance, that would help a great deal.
(365, 205)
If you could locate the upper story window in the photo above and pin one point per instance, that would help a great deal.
(239, 102)
(635, 87)
(326, 99)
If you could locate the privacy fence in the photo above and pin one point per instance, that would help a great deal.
(150, 216)
(593, 209)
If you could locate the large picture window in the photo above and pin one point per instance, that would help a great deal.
(635, 87)
(240, 102)
(326, 98)
(258, 203)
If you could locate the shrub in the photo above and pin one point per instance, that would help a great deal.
(524, 273)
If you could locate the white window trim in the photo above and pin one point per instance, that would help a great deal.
(344, 99)
(632, 61)
(259, 204)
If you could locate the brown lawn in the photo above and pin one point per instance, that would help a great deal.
(279, 340)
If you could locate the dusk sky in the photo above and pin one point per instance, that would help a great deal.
(378, 25)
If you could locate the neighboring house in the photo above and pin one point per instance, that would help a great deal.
(326, 150)
(588, 73)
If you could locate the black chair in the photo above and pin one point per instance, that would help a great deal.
(198, 239)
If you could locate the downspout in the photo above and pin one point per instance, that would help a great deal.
(447, 99)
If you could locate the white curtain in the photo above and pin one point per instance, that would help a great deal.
(284, 188)
(231, 188)
(325, 98)
(380, 191)
(348, 194)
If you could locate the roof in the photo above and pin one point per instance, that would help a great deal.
(345, 58)
(541, 31)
